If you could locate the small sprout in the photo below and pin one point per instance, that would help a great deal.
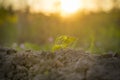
(63, 42)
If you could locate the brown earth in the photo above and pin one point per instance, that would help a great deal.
(62, 65)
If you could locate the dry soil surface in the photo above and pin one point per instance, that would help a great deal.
(61, 65)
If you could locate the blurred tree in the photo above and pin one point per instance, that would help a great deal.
(116, 4)
(100, 30)
(7, 27)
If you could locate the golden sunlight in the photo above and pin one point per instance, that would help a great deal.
(69, 7)
(64, 8)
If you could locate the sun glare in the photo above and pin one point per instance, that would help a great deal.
(68, 7)
(64, 8)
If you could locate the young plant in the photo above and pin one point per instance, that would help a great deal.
(63, 42)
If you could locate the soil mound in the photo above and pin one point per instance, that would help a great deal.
(61, 65)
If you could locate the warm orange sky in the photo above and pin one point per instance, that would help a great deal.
(63, 7)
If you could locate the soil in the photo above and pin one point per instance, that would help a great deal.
(61, 65)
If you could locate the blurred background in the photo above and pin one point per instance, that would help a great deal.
(95, 23)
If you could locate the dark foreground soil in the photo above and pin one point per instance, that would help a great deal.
(61, 65)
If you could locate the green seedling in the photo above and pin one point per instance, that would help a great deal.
(63, 42)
